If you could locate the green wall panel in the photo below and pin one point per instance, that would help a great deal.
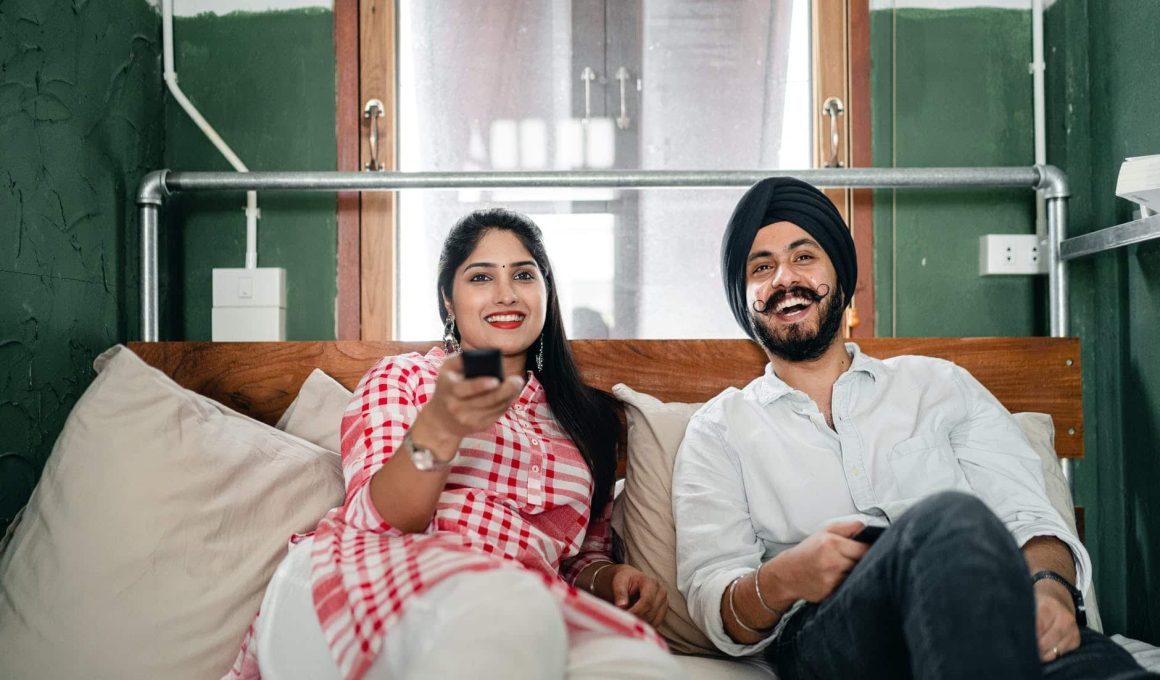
(80, 123)
(950, 88)
(266, 82)
(1102, 96)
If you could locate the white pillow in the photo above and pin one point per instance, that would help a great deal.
(148, 542)
(316, 413)
(1040, 430)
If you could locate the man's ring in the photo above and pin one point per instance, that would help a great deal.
(1055, 653)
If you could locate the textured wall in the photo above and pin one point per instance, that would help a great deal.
(80, 122)
(266, 82)
(950, 88)
(1103, 94)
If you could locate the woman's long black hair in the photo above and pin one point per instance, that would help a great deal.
(588, 415)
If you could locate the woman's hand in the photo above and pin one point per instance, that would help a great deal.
(641, 595)
(461, 406)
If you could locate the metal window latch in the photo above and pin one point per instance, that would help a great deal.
(833, 108)
(622, 120)
(373, 111)
(587, 75)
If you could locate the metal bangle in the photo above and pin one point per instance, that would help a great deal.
(757, 586)
(733, 609)
(592, 583)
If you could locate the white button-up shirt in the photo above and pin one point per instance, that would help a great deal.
(759, 469)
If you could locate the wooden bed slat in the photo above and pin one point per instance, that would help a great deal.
(261, 379)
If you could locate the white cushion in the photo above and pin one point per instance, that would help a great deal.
(745, 668)
(1145, 654)
(146, 547)
(316, 413)
(1040, 430)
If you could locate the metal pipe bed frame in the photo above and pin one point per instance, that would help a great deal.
(157, 186)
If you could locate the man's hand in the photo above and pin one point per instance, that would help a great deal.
(1055, 625)
(814, 568)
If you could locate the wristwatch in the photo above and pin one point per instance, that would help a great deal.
(424, 459)
(1076, 596)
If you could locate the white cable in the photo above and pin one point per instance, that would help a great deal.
(1037, 68)
(170, 75)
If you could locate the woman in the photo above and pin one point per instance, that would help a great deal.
(471, 553)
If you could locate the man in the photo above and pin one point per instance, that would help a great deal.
(976, 575)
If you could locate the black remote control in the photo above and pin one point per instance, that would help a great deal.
(869, 534)
(481, 362)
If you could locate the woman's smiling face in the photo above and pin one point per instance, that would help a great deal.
(499, 298)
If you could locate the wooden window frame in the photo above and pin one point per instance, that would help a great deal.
(367, 222)
(842, 28)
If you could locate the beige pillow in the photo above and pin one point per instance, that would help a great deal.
(316, 413)
(148, 542)
(643, 514)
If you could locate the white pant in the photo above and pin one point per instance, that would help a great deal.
(493, 624)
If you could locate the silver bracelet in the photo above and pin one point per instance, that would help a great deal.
(592, 584)
(733, 609)
(777, 614)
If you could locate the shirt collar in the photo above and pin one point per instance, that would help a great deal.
(770, 388)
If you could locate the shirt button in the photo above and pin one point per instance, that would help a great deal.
(535, 468)
(536, 441)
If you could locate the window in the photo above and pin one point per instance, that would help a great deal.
(599, 84)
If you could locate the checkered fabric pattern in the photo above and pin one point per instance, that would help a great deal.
(518, 498)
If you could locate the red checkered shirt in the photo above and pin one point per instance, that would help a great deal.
(517, 498)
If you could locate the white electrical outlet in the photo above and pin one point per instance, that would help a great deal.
(249, 305)
(1011, 254)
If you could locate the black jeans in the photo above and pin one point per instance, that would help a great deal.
(945, 593)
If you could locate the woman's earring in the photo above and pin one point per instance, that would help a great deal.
(540, 356)
(450, 344)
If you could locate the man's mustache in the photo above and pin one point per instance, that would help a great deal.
(775, 298)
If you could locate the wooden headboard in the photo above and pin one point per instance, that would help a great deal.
(261, 379)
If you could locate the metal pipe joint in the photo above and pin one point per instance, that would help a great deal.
(152, 190)
(1052, 182)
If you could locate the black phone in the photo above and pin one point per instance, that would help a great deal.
(481, 362)
(869, 534)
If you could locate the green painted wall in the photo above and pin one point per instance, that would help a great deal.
(1103, 94)
(80, 123)
(950, 88)
(267, 84)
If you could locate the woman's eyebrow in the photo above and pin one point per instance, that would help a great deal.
(492, 265)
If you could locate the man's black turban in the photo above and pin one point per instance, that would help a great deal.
(784, 199)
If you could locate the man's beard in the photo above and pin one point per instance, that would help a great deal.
(796, 343)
